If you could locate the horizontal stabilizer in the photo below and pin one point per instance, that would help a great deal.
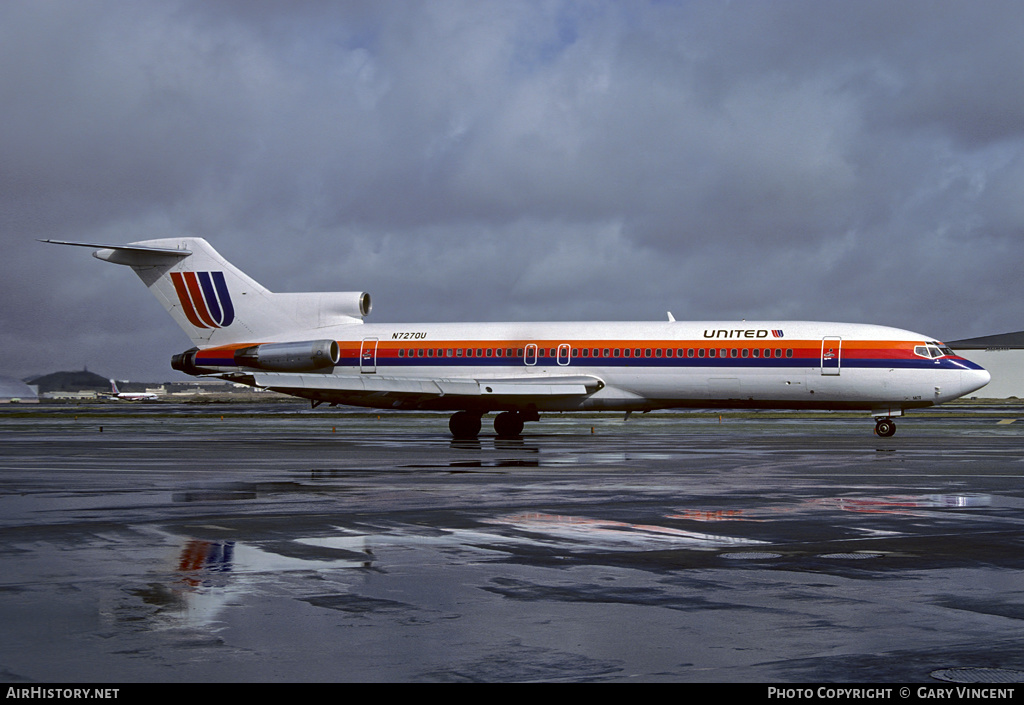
(131, 255)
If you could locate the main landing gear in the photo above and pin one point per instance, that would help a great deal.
(507, 424)
(464, 424)
(885, 427)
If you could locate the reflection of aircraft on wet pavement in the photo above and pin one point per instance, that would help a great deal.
(316, 346)
(199, 559)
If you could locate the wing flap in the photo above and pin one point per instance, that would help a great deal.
(400, 387)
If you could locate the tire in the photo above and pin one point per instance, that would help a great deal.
(885, 428)
(464, 425)
(508, 424)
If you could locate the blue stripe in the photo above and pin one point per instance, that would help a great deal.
(210, 296)
(225, 298)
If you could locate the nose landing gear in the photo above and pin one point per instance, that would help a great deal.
(885, 427)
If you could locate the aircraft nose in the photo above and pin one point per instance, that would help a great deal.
(972, 380)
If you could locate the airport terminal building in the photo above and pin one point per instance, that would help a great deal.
(1003, 356)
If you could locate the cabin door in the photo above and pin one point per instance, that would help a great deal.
(831, 354)
(368, 356)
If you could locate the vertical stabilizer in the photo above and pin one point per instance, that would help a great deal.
(216, 303)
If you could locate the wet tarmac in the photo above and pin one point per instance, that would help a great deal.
(155, 542)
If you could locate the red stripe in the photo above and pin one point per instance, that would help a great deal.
(197, 300)
(186, 300)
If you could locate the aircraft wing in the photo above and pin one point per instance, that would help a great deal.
(413, 392)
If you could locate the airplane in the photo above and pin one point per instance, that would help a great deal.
(317, 346)
(130, 396)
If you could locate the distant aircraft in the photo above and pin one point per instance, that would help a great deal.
(131, 396)
(316, 346)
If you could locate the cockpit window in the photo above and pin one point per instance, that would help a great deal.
(932, 350)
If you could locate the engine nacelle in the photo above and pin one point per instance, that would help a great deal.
(322, 309)
(345, 303)
(304, 356)
(186, 362)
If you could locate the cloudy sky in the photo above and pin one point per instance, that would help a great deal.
(513, 160)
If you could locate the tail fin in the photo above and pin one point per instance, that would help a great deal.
(216, 303)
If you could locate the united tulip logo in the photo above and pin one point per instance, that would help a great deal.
(204, 298)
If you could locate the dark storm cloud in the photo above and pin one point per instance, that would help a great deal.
(529, 160)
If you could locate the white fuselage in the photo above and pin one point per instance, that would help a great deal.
(645, 365)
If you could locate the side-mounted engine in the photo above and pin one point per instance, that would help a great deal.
(304, 356)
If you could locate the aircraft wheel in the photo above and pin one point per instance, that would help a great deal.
(509, 424)
(885, 427)
(464, 424)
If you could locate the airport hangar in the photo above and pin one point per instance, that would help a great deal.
(1003, 356)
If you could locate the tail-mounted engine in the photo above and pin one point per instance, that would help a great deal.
(306, 356)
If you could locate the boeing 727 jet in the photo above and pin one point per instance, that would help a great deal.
(318, 347)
